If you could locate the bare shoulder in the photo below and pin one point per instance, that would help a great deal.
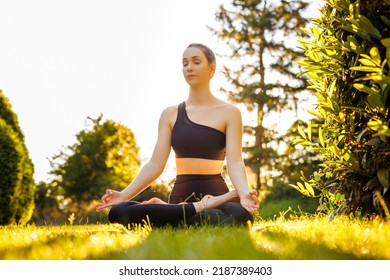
(230, 110)
(169, 110)
(169, 114)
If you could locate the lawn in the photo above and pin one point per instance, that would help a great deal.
(294, 238)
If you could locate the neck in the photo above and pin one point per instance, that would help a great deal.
(200, 95)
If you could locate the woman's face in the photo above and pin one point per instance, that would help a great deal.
(196, 69)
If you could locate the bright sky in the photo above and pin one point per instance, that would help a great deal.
(64, 61)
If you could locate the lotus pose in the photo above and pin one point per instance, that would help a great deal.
(203, 131)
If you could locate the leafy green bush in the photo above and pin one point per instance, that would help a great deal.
(347, 62)
(16, 170)
(105, 155)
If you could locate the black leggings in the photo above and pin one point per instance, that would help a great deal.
(187, 188)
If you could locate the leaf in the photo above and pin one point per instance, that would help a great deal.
(375, 100)
(353, 44)
(309, 188)
(385, 20)
(366, 69)
(388, 56)
(383, 177)
(367, 25)
(315, 113)
(377, 125)
(302, 142)
(306, 189)
(309, 130)
(336, 151)
(364, 88)
(351, 159)
(374, 53)
(386, 42)
(368, 62)
(332, 86)
(301, 132)
(321, 136)
(380, 79)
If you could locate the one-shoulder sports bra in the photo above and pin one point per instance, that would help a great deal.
(193, 140)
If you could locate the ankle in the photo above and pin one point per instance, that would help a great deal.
(202, 204)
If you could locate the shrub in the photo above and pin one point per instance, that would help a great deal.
(347, 61)
(16, 170)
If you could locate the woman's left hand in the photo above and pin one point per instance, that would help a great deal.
(250, 202)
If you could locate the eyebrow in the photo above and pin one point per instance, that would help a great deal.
(193, 57)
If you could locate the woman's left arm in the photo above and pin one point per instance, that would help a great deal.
(235, 165)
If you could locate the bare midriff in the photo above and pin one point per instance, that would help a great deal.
(198, 166)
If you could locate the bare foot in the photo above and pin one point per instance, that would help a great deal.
(154, 200)
(209, 201)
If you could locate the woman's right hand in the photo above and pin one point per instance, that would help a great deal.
(110, 198)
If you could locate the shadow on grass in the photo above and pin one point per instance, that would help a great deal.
(279, 246)
(227, 243)
(201, 243)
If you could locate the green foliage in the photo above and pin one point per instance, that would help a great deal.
(104, 156)
(347, 61)
(49, 204)
(283, 200)
(16, 170)
(265, 80)
(296, 160)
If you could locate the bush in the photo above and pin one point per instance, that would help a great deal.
(347, 62)
(16, 200)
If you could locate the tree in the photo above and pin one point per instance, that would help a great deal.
(49, 204)
(104, 155)
(16, 170)
(261, 36)
(347, 60)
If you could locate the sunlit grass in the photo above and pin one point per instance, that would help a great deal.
(319, 238)
(67, 242)
(293, 238)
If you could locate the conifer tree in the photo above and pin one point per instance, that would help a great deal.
(17, 185)
(262, 36)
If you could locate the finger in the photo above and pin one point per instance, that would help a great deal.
(107, 196)
(251, 210)
(100, 207)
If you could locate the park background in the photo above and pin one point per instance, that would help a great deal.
(67, 67)
(64, 61)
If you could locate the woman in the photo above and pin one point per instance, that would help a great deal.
(202, 131)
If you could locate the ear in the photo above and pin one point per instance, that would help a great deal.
(213, 67)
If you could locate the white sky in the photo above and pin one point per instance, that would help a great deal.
(64, 61)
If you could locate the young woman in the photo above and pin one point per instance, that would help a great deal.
(203, 131)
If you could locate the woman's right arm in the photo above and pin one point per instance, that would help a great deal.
(152, 170)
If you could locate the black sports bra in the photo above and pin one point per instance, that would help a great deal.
(193, 140)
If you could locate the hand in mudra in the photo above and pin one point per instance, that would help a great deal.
(110, 198)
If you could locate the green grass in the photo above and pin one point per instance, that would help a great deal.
(272, 208)
(297, 238)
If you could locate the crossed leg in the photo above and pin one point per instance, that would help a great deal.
(207, 202)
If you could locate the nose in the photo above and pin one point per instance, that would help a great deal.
(189, 67)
